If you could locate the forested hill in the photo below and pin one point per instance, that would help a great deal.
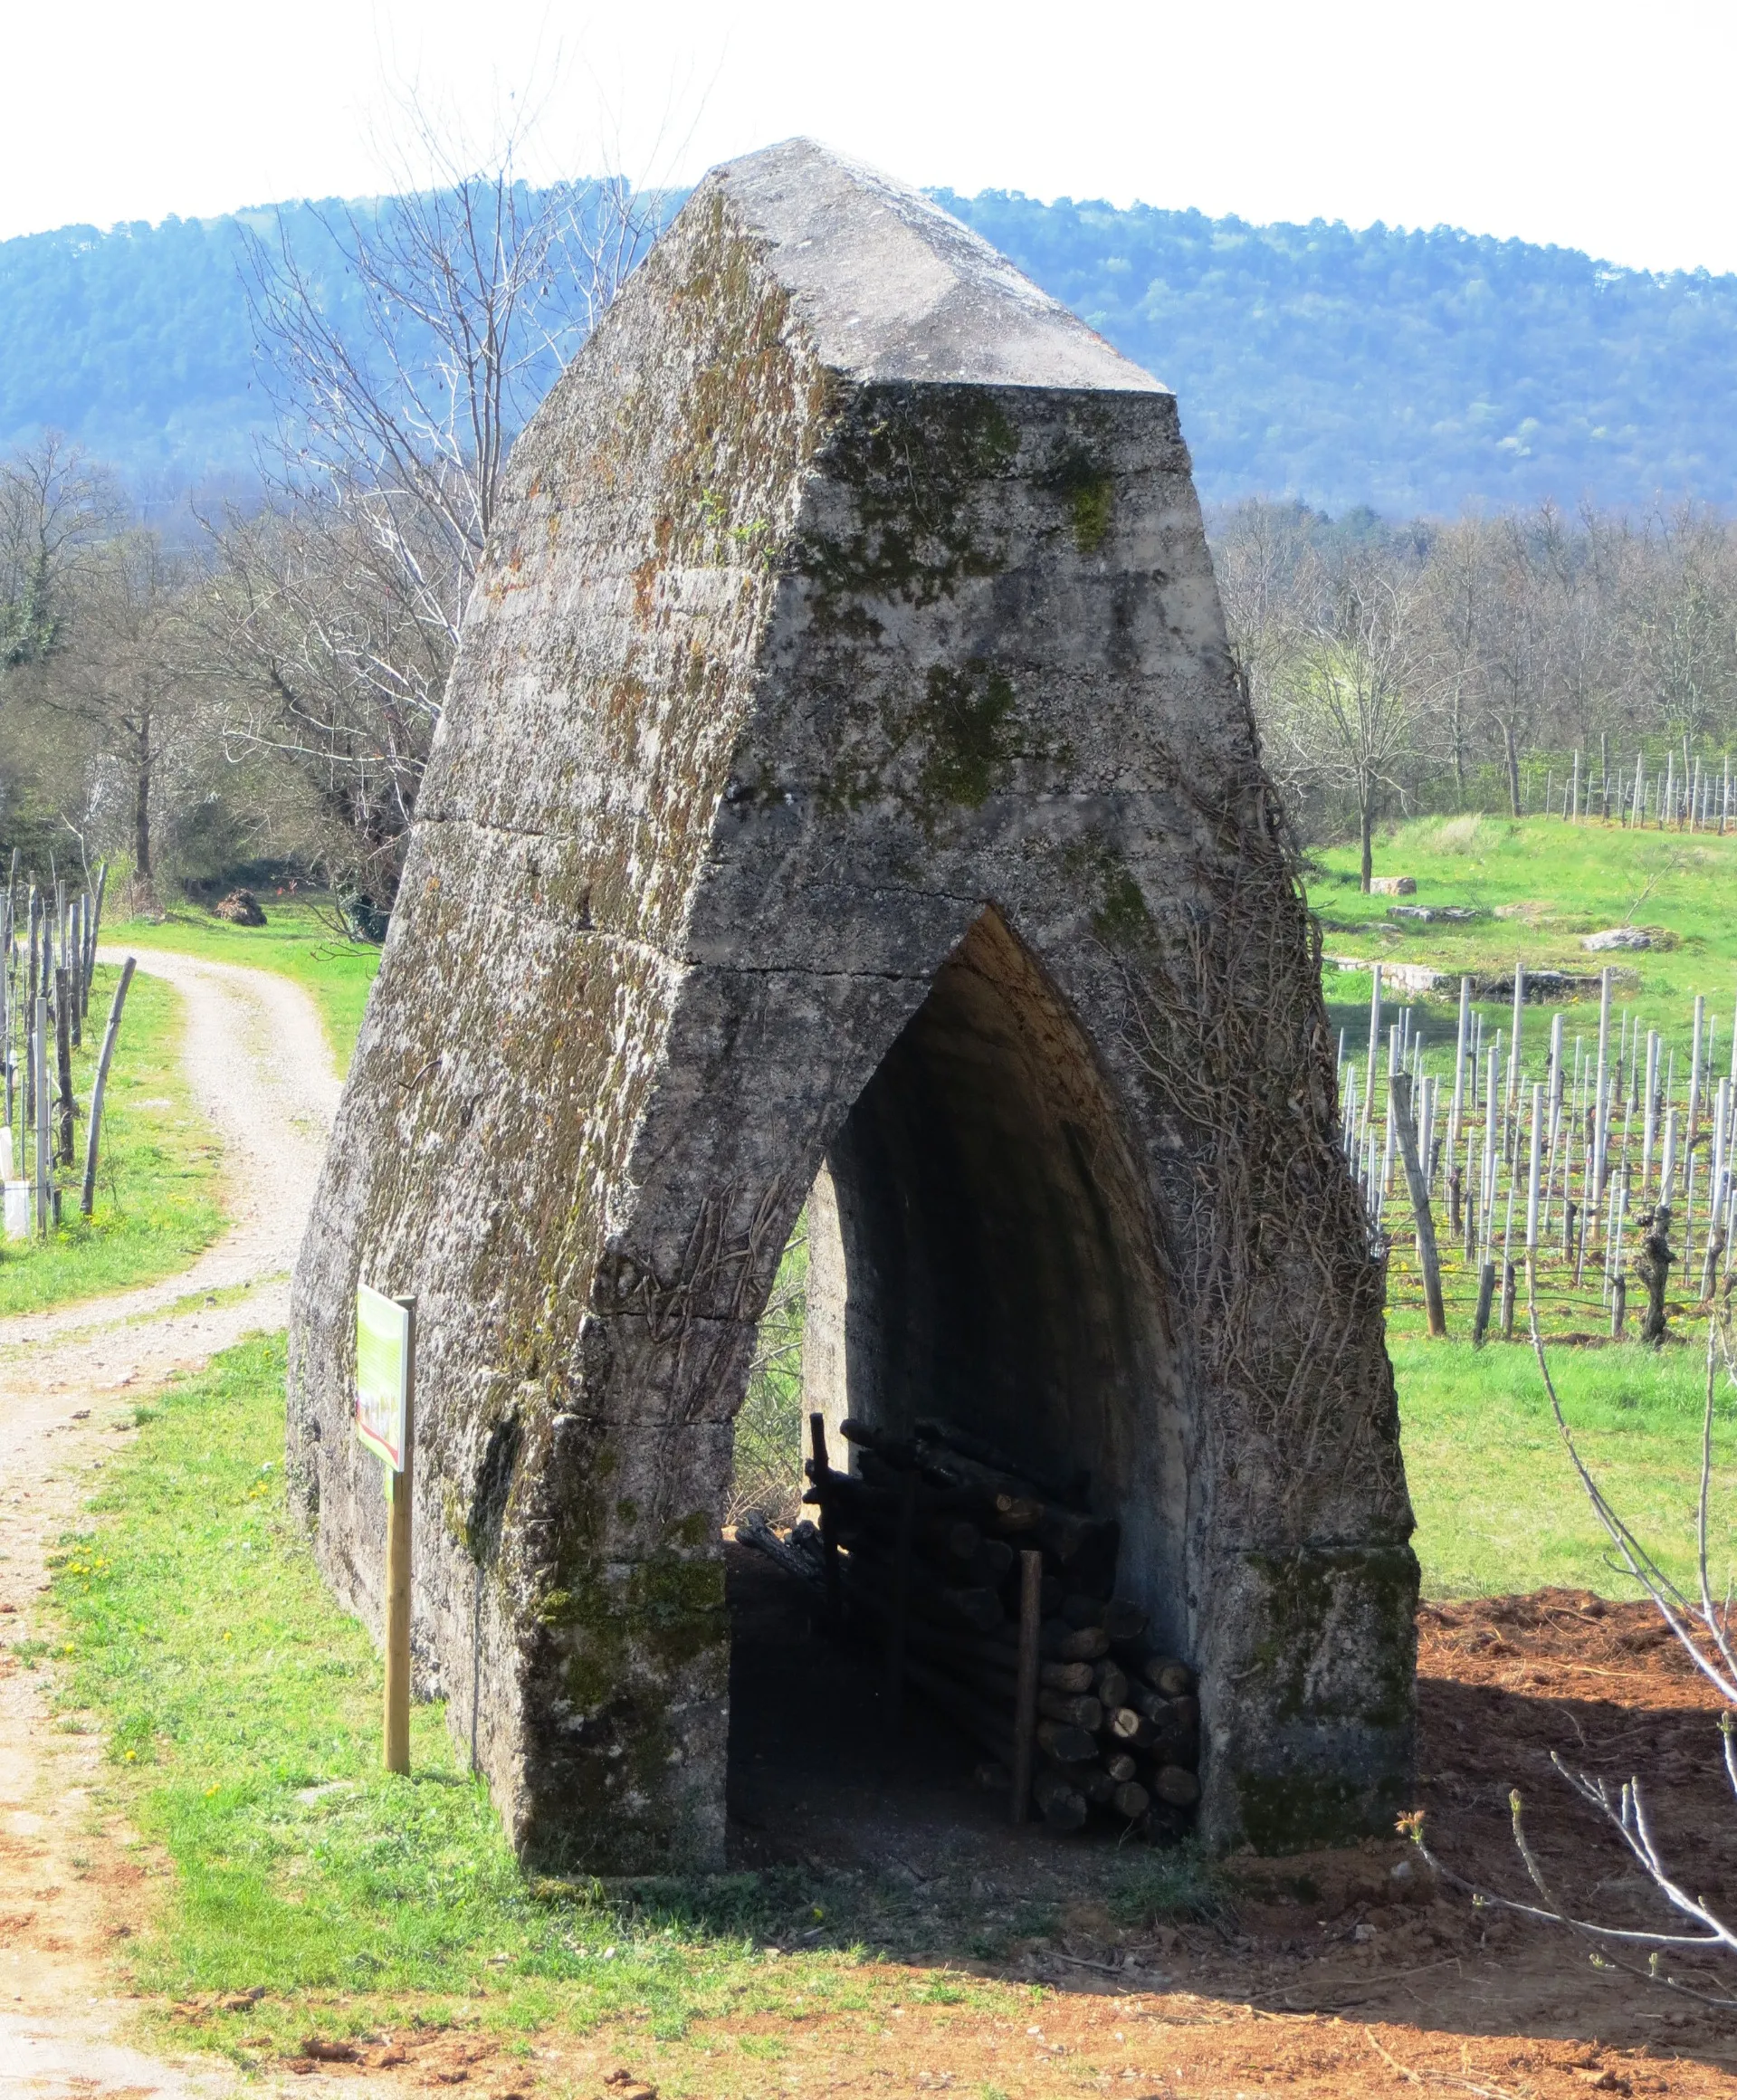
(1407, 371)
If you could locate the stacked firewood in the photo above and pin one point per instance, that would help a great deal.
(992, 1597)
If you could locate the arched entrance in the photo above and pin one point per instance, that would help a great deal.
(981, 1256)
(980, 1265)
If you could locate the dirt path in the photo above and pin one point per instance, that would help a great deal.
(72, 1879)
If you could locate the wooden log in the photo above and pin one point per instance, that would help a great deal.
(995, 1663)
(989, 1728)
(1094, 1784)
(754, 1531)
(1131, 1800)
(1064, 1644)
(1018, 1512)
(1110, 1682)
(1025, 1688)
(1133, 1730)
(1067, 1743)
(976, 1611)
(1065, 1677)
(1081, 1709)
(1124, 1621)
(991, 1660)
(1071, 1493)
(992, 1562)
(1120, 1618)
(1174, 1786)
(1062, 1807)
(1167, 1675)
(951, 1538)
(1120, 1766)
(1177, 1723)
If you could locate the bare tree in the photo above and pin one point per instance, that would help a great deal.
(1453, 606)
(399, 396)
(1342, 709)
(1268, 584)
(1681, 622)
(1517, 648)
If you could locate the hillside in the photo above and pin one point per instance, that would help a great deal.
(1407, 371)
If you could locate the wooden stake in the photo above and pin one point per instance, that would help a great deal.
(88, 1194)
(1486, 1292)
(398, 1576)
(63, 1062)
(1429, 1260)
(44, 1136)
(1024, 1720)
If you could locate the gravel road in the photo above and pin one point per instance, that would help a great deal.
(72, 1876)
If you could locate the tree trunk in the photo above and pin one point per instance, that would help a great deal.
(1366, 829)
(142, 804)
(1512, 751)
(1459, 751)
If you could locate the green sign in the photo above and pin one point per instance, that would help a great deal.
(382, 1373)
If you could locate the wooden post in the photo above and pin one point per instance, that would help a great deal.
(1486, 1292)
(64, 1062)
(88, 1196)
(44, 1135)
(1399, 1088)
(398, 1576)
(75, 966)
(94, 927)
(1025, 1718)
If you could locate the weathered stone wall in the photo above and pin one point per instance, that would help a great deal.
(844, 589)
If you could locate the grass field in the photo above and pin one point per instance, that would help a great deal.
(241, 1710)
(1538, 885)
(157, 1169)
(297, 940)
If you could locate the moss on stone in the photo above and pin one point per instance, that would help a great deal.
(1122, 918)
(1301, 1812)
(914, 462)
(1088, 488)
(1304, 1592)
(964, 721)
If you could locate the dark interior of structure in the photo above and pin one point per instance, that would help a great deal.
(981, 1266)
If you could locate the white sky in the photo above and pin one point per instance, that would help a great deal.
(1579, 121)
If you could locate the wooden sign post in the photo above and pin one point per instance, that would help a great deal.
(385, 1374)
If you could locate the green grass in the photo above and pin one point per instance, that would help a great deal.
(1539, 885)
(156, 1167)
(298, 941)
(1499, 1507)
(240, 1712)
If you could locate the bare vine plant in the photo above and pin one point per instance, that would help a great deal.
(1701, 1625)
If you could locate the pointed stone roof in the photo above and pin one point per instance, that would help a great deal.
(892, 287)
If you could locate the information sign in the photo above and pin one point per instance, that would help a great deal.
(382, 1373)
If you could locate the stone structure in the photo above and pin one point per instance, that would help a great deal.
(843, 775)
